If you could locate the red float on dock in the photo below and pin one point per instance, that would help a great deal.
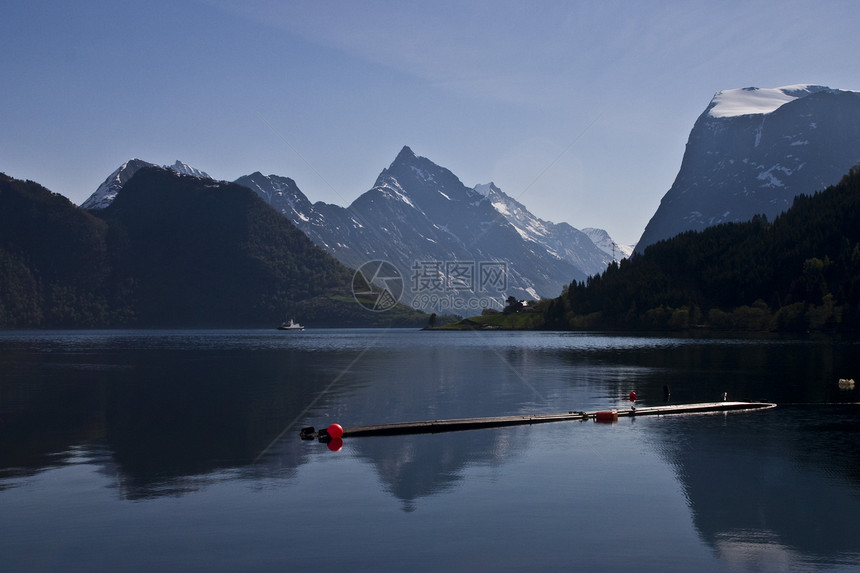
(606, 416)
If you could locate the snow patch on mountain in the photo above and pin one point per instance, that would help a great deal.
(185, 169)
(392, 188)
(422, 174)
(751, 101)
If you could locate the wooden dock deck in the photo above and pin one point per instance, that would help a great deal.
(460, 424)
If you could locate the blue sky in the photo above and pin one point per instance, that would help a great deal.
(580, 110)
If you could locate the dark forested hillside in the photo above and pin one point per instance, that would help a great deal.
(170, 251)
(800, 272)
(52, 259)
(205, 253)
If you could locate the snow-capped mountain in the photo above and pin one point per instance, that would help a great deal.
(330, 226)
(107, 191)
(441, 235)
(285, 196)
(559, 239)
(753, 150)
(452, 244)
(605, 243)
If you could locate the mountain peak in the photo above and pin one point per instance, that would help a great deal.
(607, 244)
(107, 191)
(405, 156)
(433, 181)
(185, 169)
(486, 189)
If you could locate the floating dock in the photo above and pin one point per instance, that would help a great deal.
(460, 424)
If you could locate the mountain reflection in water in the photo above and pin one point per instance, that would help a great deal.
(166, 415)
(770, 487)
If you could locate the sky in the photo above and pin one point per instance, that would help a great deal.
(580, 110)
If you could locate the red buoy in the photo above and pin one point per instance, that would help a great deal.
(632, 396)
(335, 431)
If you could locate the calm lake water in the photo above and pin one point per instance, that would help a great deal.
(180, 450)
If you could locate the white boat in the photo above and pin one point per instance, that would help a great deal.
(291, 325)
